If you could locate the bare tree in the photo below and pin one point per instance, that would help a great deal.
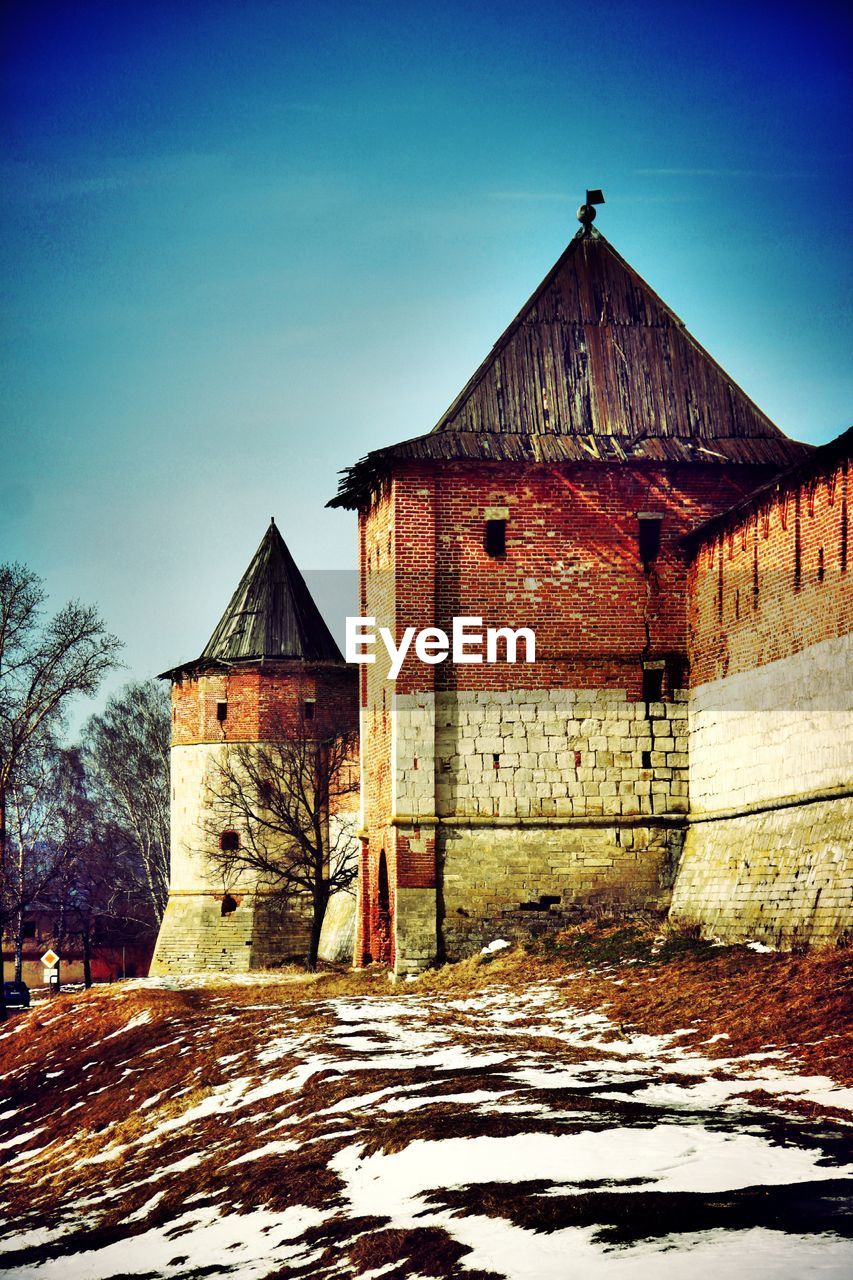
(69, 863)
(127, 761)
(35, 850)
(284, 803)
(99, 899)
(42, 665)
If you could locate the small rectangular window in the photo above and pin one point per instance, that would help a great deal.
(648, 536)
(229, 842)
(495, 541)
(29, 929)
(221, 711)
(308, 708)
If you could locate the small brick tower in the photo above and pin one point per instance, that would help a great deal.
(554, 494)
(270, 660)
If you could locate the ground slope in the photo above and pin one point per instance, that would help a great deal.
(584, 1114)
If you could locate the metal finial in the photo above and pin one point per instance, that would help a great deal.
(586, 213)
(272, 519)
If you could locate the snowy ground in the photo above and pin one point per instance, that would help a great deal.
(188, 1129)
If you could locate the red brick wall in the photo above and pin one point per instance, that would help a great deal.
(377, 599)
(259, 700)
(572, 570)
(774, 581)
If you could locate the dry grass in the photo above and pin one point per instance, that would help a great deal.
(142, 1098)
(657, 983)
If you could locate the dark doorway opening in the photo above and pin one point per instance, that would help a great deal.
(383, 921)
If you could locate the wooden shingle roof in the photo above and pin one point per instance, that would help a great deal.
(594, 367)
(270, 616)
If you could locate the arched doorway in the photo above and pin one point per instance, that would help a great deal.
(383, 914)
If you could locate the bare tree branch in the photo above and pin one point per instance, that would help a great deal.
(126, 753)
(286, 800)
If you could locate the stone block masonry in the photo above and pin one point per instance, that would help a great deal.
(546, 753)
(782, 876)
(577, 795)
(255, 934)
(769, 848)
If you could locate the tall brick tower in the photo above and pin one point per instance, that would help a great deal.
(553, 494)
(270, 661)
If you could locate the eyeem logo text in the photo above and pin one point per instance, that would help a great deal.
(432, 645)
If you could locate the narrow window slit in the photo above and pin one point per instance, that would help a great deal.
(648, 537)
(495, 540)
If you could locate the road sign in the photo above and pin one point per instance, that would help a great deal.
(50, 959)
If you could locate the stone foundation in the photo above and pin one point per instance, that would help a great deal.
(494, 879)
(337, 938)
(783, 877)
(261, 933)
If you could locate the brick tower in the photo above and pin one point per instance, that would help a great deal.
(553, 494)
(270, 661)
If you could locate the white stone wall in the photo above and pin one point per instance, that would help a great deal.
(535, 822)
(191, 766)
(784, 729)
(768, 853)
(413, 754)
(779, 876)
(561, 753)
(416, 926)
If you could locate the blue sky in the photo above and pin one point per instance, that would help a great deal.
(243, 243)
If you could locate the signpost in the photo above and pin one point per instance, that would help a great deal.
(50, 960)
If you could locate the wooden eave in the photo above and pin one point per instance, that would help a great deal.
(595, 367)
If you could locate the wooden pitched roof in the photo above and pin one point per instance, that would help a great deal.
(595, 366)
(271, 615)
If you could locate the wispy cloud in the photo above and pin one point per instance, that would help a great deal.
(720, 173)
(38, 183)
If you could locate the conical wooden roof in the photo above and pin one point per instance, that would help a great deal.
(594, 366)
(271, 615)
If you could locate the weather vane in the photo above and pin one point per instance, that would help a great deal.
(586, 213)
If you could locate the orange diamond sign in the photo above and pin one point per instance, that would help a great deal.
(49, 959)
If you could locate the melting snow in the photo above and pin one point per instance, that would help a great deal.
(695, 1134)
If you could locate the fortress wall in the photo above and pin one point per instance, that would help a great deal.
(769, 848)
(577, 795)
(194, 935)
(191, 815)
(573, 806)
(374, 939)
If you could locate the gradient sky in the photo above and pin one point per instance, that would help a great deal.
(243, 243)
